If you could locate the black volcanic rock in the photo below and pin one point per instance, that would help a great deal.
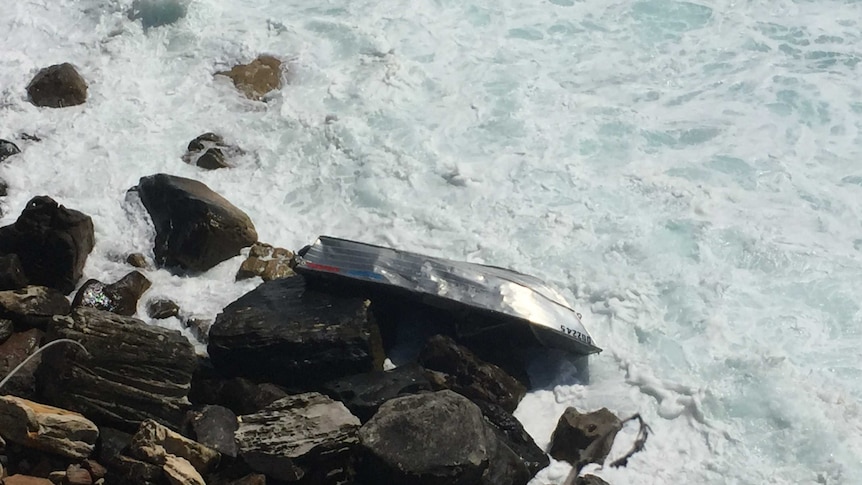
(51, 241)
(364, 393)
(57, 86)
(284, 333)
(196, 228)
(133, 371)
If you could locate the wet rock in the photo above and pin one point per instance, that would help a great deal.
(161, 309)
(137, 260)
(120, 297)
(7, 149)
(505, 467)
(57, 86)
(575, 479)
(15, 350)
(133, 372)
(364, 393)
(154, 442)
(77, 475)
(465, 374)
(51, 241)
(210, 151)
(12, 275)
(257, 78)
(200, 328)
(214, 426)
(6, 329)
(195, 227)
(32, 306)
(283, 333)
(46, 428)
(156, 13)
(306, 437)
(411, 438)
(584, 438)
(267, 262)
(510, 431)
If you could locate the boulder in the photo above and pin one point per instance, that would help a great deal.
(305, 437)
(458, 369)
(156, 13)
(161, 309)
(209, 151)
(256, 78)
(511, 432)
(426, 439)
(33, 306)
(120, 297)
(7, 149)
(215, 427)
(12, 275)
(15, 350)
(133, 372)
(51, 241)
(364, 393)
(284, 333)
(584, 438)
(154, 442)
(137, 260)
(195, 227)
(47, 428)
(267, 262)
(57, 86)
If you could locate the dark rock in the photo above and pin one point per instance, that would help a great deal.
(200, 328)
(120, 297)
(32, 306)
(95, 469)
(214, 426)
(51, 241)
(207, 140)
(12, 275)
(77, 475)
(111, 444)
(195, 227)
(250, 479)
(161, 309)
(240, 395)
(156, 13)
(46, 428)
(584, 438)
(256, 78)
(15, 350)
(4, 189)
(305, 438)
(505, 467)
(267, 262)
(133, 372)
(465, 374)
(364, 393)
(137, 260)
(574, 479)
(283, 333)
(6, 329)
(129, 470)
(7, 149)
(431, 438)
(209, 151)
(511, 432)
(57, 86)
(212, 159)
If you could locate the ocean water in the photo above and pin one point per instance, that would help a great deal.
(687, 173)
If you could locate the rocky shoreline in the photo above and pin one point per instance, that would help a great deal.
(293, 388)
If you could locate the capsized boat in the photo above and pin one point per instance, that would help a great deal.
(501, 293)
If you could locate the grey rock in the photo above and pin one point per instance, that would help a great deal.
(33, 306)
(196, 228)
(364, 393)
(306, 437)
(584, 438)
(283, 333)
(7, 149)
(575, 479)
(12, 275)
(120, 297)
(215, 427)
(57, 86)
(133, 372)
(161, 309)
(238, 394)
(47, 428)
(511, 432)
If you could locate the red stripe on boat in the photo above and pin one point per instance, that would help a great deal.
(323, 267)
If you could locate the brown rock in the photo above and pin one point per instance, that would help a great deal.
(137, 260)
(154, 442)
(161, 309)
(13, 351)
(96, 470)
(267, 262)
(257, 78)
(57, 86)
(26, 480)
(584, 438)
(180, 472)
(47, 428)
(76, 475)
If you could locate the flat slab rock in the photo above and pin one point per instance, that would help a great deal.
(133, 372)
(305, 438)
(47, 428)
(283, 333)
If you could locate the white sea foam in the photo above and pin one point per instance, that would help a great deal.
(686, 172)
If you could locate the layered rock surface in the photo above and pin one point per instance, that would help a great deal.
(46, 428)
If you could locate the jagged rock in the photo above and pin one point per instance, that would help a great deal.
(306, 437)
(12, 275)
(210, 151)
(465, 374)
(180, 472)
(161, 309)
(584, 438)
(214, 426)
(120, 297)
(156, 13)
(57, 86)
(46, 428)
(283, 333)
(19, 479)
(505, 467)
(195, 227)
(267, 262)
(137, 260)
(240, 395)
(15, 350)
(32, 306)
(364, 393)
(256, 78)
(77, 475)
(429, 438)
(511, 432)
(51, 241)
(154, 442)
(7, 149)
(6, 329)
(134, 371)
